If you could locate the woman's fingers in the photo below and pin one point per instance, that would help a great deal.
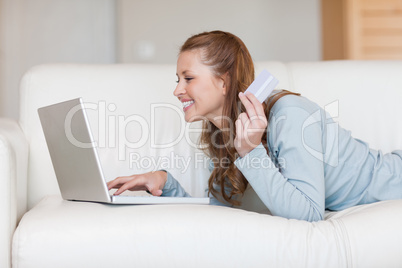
(152, 182)
(142, 182)
(124, 183)
(256, 103)
(247, 104)
(250, 125)
(155, 192)
(255, 110)
(133, 185)
(118, 182)
(239, 130)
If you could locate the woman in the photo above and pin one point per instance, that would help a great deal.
(295, 163)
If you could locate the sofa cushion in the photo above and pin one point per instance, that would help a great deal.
(58, 233)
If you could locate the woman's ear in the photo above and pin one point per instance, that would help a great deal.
(225, 83)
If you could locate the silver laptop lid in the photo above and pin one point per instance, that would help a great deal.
(75, 159)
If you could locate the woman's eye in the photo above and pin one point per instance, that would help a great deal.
(188, 79)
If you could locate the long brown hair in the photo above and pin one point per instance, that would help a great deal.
(225, 53)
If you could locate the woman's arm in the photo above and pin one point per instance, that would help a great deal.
(173, 188)
(296, 188)
(158, 183)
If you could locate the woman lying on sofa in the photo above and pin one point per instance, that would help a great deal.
(297, 165)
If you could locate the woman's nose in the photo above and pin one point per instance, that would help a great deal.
(179, 90)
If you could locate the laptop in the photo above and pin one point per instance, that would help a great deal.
(76, 161)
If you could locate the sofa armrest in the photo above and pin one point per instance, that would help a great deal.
(13, 180)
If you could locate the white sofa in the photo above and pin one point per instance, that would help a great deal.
(135, 103)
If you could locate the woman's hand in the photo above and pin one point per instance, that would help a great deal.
(250, 126)
(152, 182)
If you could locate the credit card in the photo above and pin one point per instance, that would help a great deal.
(263, 85)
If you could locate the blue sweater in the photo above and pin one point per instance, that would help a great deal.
(313, 165)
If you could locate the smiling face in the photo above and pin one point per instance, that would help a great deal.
(201, 92)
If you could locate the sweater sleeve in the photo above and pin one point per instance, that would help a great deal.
(292, 187)
(173, 188)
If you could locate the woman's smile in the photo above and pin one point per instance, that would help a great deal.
(187, 104)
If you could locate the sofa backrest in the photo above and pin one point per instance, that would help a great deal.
(364, 96)
(139, 127)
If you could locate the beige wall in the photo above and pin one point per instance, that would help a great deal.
(43, 31)
(106, 31)
(152, 30)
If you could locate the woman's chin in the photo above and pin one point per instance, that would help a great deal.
(192, 118)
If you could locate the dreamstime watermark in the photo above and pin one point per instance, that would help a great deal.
(113, 129)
